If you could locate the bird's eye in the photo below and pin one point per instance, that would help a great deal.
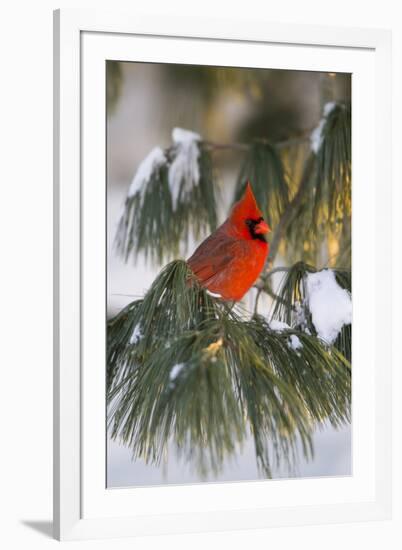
(252, 223)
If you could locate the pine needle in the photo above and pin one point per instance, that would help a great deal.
(263, 168)
(185, 368)
(151, 224)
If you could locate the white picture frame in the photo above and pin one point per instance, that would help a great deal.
(83, 507)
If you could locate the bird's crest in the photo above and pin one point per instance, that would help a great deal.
(246, 207)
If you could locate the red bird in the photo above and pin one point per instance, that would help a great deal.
(230, 260)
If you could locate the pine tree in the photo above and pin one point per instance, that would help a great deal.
(186, 367)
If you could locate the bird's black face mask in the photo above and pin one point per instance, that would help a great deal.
(253, 229)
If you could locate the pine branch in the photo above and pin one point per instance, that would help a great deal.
(291, 304)
(333, 177)
(156, 224)
(184, 367)
(263, 167)
(323, 192)
(291, 210)
(236, 146)
(324, 209)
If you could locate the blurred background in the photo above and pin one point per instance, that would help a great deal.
(224, 106)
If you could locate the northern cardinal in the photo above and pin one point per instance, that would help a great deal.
(230, 260)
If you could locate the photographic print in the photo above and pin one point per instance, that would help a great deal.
(229, 303)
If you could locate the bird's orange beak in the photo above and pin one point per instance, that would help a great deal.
(262, 228)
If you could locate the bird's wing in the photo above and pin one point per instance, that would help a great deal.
(215, 255)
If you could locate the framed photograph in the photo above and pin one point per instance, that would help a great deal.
(222, 220)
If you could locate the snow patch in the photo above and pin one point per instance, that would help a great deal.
(175, 371)
(328, 108)
(154, 160)
(278, 326)
(300, 316)
(184, 172)
(215, 295)
(180, 136)
(294, 342)
(136, 335)
(316, 134)
(329, 304)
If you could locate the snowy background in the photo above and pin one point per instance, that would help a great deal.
(152, 102)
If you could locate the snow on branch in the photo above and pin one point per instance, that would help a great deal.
(170, 197)
(316, 136)
(317, 303)
(154, 160)
(329, 304)
(281, 326)
(184, 172)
